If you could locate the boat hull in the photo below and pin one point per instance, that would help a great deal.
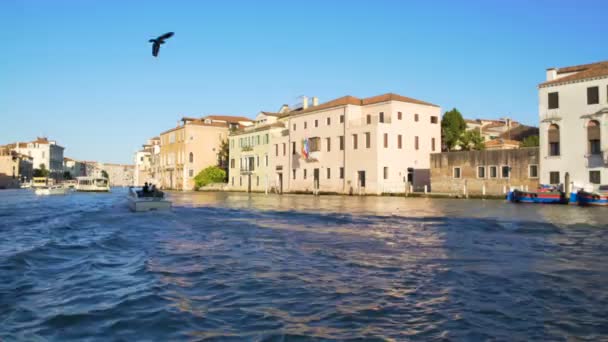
(141, 205)
(48, 192)
(594, 199)
(517, 196)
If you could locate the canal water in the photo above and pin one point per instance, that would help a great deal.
(232, 266)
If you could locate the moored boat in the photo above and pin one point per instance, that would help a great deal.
(544, 195)
(92, 184)
(595, 198)
(139, 200)
(51, 190)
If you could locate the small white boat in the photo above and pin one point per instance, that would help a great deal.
(92, 184)
(50, 190)
(147, 201)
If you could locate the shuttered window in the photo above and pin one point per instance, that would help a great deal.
(593, 95)
(553, 100)
(593, 136)
(553, 137)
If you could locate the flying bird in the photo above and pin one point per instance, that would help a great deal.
(158, 41)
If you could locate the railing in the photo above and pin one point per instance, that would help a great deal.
(596, 160)
(551, 115)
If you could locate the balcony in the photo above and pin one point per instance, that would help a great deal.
(596, 160)
(551, 115)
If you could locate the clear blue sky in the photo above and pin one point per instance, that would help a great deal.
(81, 72)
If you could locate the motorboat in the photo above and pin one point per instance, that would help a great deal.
(595, 198)
(51, 190)
(140, 200)
(92, 184)
(42, 182)
(545, 194)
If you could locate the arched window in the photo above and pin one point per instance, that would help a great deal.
(553, 137)
(593, 136)
(191, 157)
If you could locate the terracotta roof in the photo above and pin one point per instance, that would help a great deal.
(227, 118)
(258, 129)
(582, 72)
(68, 159)
(394, 97)
(500, 141)
(273, 114)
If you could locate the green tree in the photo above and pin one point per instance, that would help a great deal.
(531, 141)
(472, 140)
(67, 175)
(41, 171)
(452, 128)
(223, 155)
(212, 174)
(104, 174)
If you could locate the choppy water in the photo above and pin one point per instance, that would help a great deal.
(267, 268)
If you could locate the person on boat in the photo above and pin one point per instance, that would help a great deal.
(146, 188)
(153, 188)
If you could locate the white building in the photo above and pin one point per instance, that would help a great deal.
(573, 109)
(44, 152)
(141, 174)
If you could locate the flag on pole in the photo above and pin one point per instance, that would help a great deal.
(305, 148)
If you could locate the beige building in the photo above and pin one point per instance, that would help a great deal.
(15, 168)
(192, 146)
(74, 167)
(351, 145)
(43, 152)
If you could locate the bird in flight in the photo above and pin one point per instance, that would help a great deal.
(158, 41)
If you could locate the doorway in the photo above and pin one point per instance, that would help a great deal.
(280, 183)
(361, 179)
(316, 179)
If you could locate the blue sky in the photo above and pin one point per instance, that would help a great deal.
(81, 72)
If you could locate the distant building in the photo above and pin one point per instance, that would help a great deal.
(43, 152)
(118, 174)
(15, 168)
(192, 146)
(501, 144)
(573, 110)
(141, 172)
(496, 171)
(74, 167)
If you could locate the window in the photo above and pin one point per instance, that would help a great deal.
(399, 141)
(553, 100)
(266, 160)
(191, 157)
(257, 181)
(355, 142)
(341, 118)
(294, 127)
(305, 125)
(416, 146)
(381, 117)
(399, 115)
(316, 123)
(328, 121)
(304, 173)
(386, 172)
(553, 138)
(341, 173)
(594, 177)
(416, 117)
(266, 139)
(294, 173)
(293, 147)
(433, 144)
(191, 173)
(328, 173)
(369, 119)
(314, 144)
(240, 181)
(276, 150)
(328, 144)
(232, 181)
(284, 148)
(493, 171)
(456, 173)
(593, 95)
(257, 161)
(368, 140)
(505, 171)
(481, 172)
(593, 136)
(533, 171)
(554, 177)
(434, 120)
(341, 143)
(232, 163)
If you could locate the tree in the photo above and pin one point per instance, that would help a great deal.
(41, 171)
(472, 140)
(212, 174)
(223, 155)
(452, 128)
(530, 141)
(67, 175)
(104, 174)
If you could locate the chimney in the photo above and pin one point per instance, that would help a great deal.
(315, 101)
(304, 102)
(551, 74)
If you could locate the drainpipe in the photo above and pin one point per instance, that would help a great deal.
(344, 150)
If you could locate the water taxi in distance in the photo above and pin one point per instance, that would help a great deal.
(139, 200)
(51, 190)
(92, 184)
(595, 198)
(42, 182)
(545, 194)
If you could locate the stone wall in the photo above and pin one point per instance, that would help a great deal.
(443, 166)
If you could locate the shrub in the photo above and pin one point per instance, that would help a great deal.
(212, 174)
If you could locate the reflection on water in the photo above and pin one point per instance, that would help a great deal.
(233, 266)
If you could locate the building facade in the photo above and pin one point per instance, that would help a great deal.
(118, 174)
(489, 172)
(350, 145)
(74, 167)
(43, 152)
(15, 168)
(573, 110)
(192, 146)
(142, 163)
